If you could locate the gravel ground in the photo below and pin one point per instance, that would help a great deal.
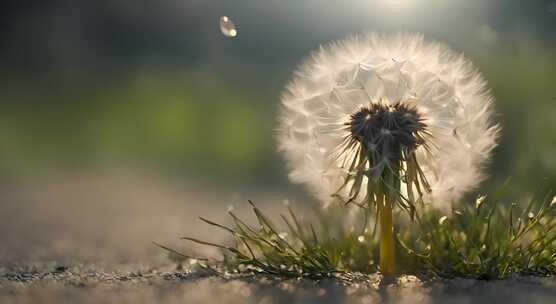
(86, 238)
(90, 284)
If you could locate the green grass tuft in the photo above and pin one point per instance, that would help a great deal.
(484, 239)
(487, 240)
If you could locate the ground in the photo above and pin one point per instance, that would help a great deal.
(51, 283)
(87, 239)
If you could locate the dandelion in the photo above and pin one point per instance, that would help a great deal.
(387, 120)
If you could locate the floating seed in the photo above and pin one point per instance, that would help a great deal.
(227, 27)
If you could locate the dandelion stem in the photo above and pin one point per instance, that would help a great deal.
(387, 253)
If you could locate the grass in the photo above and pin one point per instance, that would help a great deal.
(487, 240)
(484, 239)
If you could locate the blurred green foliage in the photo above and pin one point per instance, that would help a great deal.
(161, 118)
(522, 79)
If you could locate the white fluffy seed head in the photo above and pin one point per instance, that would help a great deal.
(340, 78)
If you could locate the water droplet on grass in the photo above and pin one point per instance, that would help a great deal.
(480, 201)
(442, 220)
(227, 27)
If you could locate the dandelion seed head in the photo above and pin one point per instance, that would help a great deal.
(386, 127)
(381, 94)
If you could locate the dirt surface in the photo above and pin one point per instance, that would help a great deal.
(86, 238)
(89, 284)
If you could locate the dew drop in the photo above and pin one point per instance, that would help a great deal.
(227, 27)
(480, 201)
(442, 220)
(361, 239)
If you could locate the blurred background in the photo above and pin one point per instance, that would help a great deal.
(121, 121)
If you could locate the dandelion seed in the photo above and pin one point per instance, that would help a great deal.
(227, 27)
